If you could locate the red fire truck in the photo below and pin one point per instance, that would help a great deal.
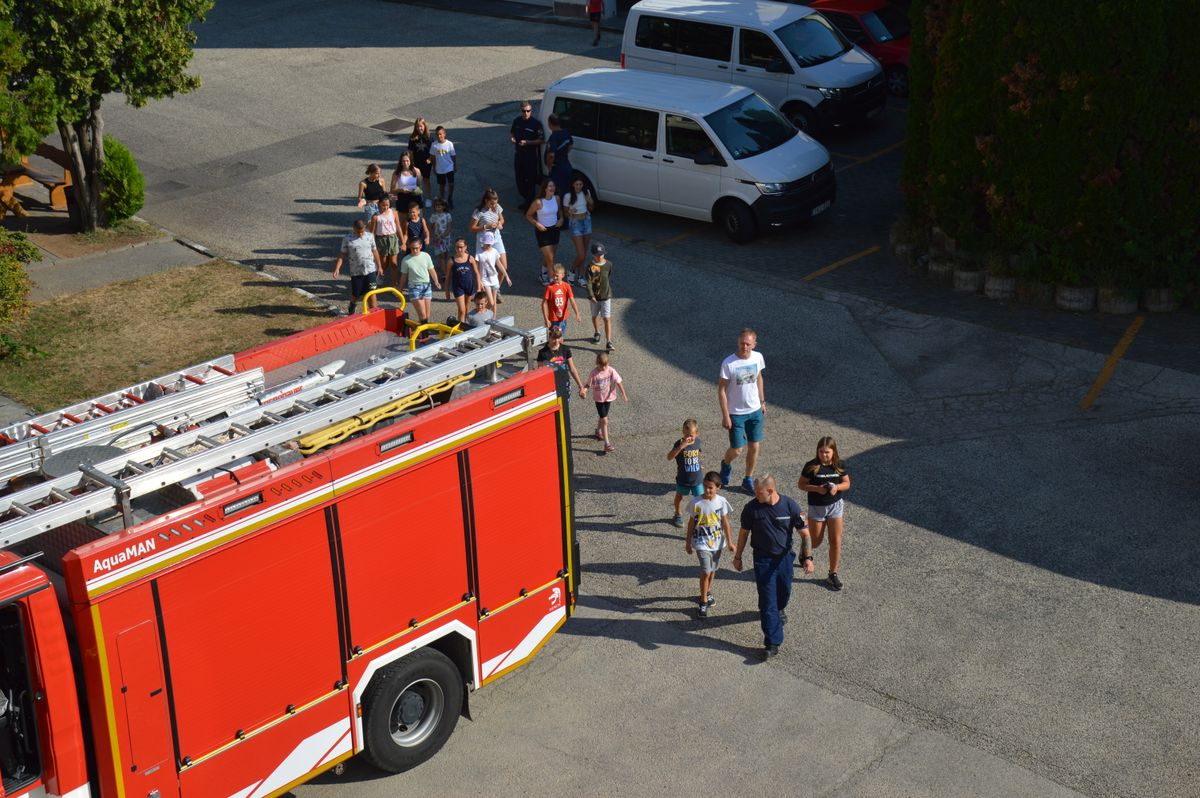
(230, 579)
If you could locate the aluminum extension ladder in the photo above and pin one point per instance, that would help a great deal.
(114, 483)
(127, 417)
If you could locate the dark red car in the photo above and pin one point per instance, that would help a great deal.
(877, 26)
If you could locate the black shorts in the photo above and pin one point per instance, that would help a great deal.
(464, 287)
(602, 409)
(548, 237)
(360, 284)
(443, 179)
(404, 199)
(594, 16)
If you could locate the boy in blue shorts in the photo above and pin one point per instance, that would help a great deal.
(686, 454)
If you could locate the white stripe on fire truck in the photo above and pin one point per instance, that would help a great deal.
(537, 634)
(306, 757)
(96, 585)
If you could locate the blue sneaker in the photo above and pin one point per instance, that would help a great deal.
(748, 485)
(726, 473)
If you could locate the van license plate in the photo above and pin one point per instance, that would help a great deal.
(824, 206)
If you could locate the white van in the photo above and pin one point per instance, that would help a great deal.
(691, 148)
(789, 54)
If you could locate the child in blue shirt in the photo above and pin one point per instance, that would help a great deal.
(688, 476)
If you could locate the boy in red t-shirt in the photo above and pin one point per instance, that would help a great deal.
(554, 301)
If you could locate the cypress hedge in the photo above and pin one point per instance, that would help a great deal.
(1065, 133)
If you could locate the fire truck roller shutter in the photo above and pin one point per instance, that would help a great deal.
(410, 710)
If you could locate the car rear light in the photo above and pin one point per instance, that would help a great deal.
(622, 60)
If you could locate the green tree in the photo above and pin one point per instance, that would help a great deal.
(84, 49)
(26, 101)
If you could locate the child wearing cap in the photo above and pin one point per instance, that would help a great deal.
(491, 268)
(599, 279)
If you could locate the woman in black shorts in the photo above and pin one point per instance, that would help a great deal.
(825, 478)
(546, 215)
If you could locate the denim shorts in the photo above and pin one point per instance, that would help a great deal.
(745, 428)
(823, 512)
(581, 227)
(419, 291)
(602, 308)
(369, 212)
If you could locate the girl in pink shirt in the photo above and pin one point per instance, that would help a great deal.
(604, 382)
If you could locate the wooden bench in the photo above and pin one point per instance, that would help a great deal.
(24, 174)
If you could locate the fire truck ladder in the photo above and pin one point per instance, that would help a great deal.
(115, 483)
(128, 416)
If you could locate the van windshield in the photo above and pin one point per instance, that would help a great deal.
(812, 40)
(750, 126)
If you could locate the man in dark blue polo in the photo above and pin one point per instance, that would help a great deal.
(528, 136)
(768, 520)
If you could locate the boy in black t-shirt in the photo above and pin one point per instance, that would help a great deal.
(689, 476)
(557, 354)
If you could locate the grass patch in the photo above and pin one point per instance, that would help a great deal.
(106, 338)
(128, 231)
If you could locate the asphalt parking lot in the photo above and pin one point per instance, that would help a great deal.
(1020, 616)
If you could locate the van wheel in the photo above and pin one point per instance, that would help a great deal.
(802, 117)
(897, 81)
(410, 710)
(736, 220)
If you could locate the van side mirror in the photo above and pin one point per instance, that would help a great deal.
(708, 157)
(778, 66)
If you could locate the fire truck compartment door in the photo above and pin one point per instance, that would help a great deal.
(517, 494)
(143, 692)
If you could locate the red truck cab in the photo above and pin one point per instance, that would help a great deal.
(879, 27)
(41, 737)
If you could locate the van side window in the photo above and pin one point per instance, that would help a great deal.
(697, 39)
(655, 33)
(703, 40)
(755, 49)
(577, 116)
(629, 127)
(685, 137)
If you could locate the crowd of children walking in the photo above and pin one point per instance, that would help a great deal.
(384, 232)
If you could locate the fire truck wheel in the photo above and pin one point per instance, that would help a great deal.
(410, 710)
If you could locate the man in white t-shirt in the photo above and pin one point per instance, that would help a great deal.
(743, 404)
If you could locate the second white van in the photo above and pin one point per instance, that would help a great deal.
(691, 148)
(789, 54)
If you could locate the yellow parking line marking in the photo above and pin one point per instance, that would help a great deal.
(846, 155)
(872, 156)
(603, 232)
(840, 263)
(677, 239)
(897, 108)
(1110, 365)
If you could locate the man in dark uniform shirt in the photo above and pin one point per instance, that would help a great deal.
(527, 136)
(768, 520)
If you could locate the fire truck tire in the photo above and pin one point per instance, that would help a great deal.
(410, 710)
